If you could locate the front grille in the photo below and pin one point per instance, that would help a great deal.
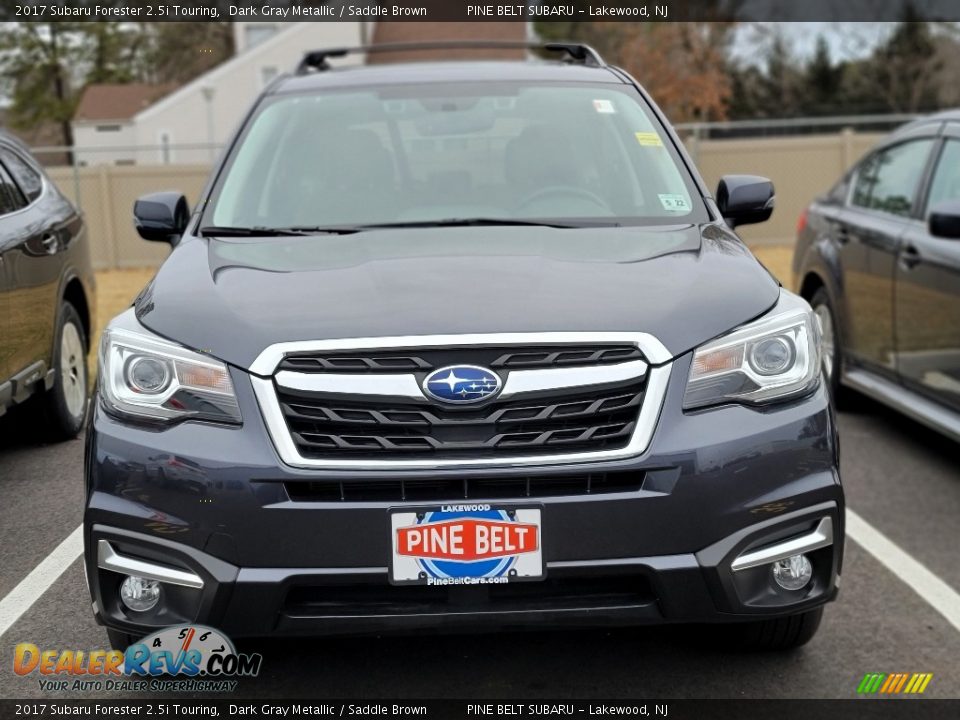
(567, 421)
(427, 360)
(436, 490)
(553, 593)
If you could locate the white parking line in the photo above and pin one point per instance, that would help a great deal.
(940, 596)
(34, 585)
(934, 591)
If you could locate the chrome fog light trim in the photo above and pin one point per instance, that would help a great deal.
(110, 559)
(821, 537)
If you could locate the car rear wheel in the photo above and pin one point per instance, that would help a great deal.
(829, 342)
(65, 404)
(779, 634)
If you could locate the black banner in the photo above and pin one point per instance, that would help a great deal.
(482, 10)
(862, 709)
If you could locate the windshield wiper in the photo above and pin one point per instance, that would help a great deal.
(484, 221)
(273, 231)
(349, 229)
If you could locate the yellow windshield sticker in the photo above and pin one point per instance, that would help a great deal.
(649, 139)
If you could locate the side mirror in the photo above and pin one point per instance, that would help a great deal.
(161, 217)
(944, 220)
(745, 199)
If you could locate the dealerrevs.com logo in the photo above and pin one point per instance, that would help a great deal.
(185, 658)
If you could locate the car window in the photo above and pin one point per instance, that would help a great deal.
(946, 178)
(838, 193)
(29, 180)
(887, 181)
(421, 153)
(10, 197)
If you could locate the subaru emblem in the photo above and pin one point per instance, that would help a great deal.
(461, 384)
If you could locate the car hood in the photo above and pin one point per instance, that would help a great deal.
(234, 297)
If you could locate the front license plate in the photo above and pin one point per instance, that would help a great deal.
(472, 544)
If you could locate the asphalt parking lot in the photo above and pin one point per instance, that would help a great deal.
(902, 481)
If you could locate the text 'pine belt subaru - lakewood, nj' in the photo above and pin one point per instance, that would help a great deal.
(461, 345)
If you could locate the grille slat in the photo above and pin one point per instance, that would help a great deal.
(407, 444)
(436, 490)
(567, 358)
(347, 364)
(318, 412)
(429, 359)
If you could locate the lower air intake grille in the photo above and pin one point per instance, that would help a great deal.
(429, 490)
(553, 593)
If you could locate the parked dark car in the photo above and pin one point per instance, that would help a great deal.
(878, 257)
(46, 297)
(461, 345)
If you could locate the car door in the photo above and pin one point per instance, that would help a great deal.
(928, 291)
(32, 264)
(10, 202)
(867, 234)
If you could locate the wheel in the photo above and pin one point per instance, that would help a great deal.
(120, 640)
(65, 404)
(779, 634)
(829, 341)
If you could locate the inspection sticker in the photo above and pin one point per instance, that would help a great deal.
(649, 139)
(674, 203)
(604, 106)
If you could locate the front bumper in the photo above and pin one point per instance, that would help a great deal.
(212, 502)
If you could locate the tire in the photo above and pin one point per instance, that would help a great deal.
(830, 341)
(65, 404)
(778, 634)
(120, 640)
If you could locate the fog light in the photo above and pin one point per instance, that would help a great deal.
(792, 573)
(139, 594)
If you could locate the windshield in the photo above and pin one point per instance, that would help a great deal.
(437, 152)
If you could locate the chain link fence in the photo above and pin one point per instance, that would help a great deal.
(803, 157)
(789, 127)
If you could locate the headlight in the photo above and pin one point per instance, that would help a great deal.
(772, 358)
(147, 377)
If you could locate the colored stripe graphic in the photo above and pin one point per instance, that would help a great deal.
(894, 683)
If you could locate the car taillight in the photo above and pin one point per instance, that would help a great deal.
(802, 221)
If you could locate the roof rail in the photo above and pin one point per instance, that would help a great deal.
(316, 60)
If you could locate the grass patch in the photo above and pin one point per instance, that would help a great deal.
(777, 259)
(116, 290)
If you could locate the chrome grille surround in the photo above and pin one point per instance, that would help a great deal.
(518, 383)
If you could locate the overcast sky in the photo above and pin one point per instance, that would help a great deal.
(847, 41)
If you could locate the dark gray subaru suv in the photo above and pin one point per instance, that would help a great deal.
(461, 345)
